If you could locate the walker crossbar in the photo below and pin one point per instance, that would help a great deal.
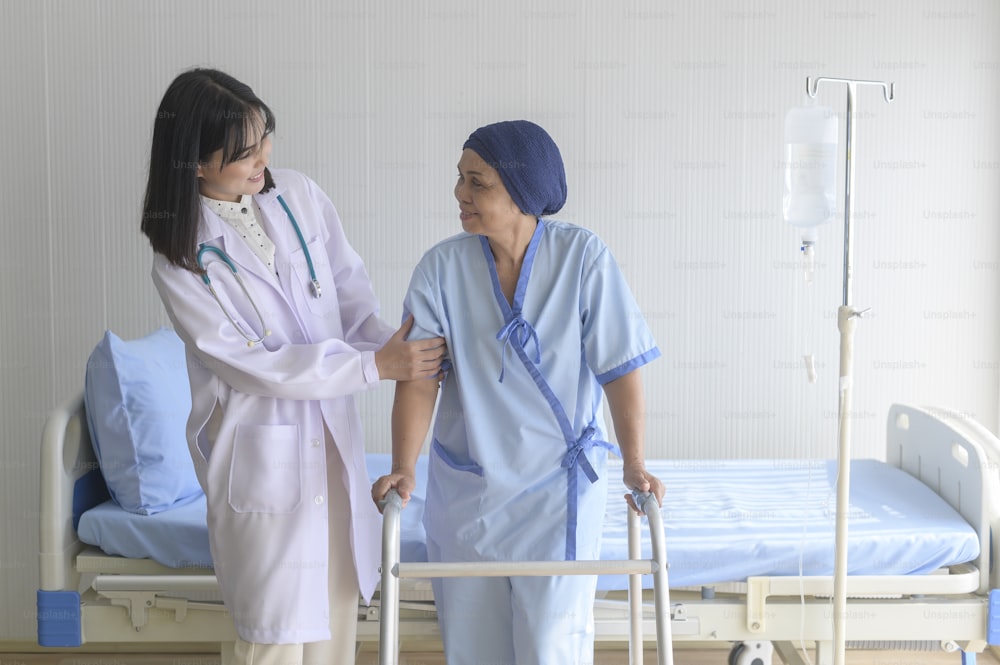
(523, 568)
(393, 570)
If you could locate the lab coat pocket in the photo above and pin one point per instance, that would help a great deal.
(327, 302)
(265, 472)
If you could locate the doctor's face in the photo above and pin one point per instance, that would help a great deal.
(486, 207)
(244, 175)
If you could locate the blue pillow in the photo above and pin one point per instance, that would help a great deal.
(138, 399)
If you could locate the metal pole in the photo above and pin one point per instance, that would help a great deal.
(661, 587)
(846, 321)
(848, 199)
(388, 642)
(635, 646)
(523, 568)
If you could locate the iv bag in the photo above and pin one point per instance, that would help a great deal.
(810, 168)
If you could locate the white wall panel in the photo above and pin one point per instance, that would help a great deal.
(26, 311)
(669, 116)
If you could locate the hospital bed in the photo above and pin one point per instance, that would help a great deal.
(750, 545)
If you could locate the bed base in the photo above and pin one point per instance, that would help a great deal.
(86, 597)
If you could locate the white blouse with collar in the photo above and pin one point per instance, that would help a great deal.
(245, 217)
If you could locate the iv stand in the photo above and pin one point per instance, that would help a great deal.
(846, 319)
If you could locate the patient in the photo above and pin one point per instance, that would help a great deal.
(540, 325)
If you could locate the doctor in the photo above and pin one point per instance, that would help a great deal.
(281, 328)
(540, 325)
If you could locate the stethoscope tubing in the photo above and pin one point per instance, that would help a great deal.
(317, 291)
(206, 248)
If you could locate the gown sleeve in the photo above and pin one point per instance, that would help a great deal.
(422, 302)
(616, 339)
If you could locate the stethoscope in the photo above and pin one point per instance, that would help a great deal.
(250, 337)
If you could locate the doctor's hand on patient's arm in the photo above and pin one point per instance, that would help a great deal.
(637, 478)
(405, 361)
(403, 483)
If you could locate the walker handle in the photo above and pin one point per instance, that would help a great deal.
(391, 497)
(641, 498)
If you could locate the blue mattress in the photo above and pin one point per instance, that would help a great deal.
(725, 520)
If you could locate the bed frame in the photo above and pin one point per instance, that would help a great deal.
(87, 597)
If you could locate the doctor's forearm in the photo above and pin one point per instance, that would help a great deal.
(327, 370)
(368, 334)
(627, 404)
(324, 370)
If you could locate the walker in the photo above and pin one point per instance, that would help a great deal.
(393, 570)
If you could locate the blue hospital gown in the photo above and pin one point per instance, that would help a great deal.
(503, 479)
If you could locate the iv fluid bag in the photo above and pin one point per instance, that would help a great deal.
(810, 167)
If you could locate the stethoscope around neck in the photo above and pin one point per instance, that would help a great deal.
(211, 249)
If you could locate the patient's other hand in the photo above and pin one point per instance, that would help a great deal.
(640, 480)
(403, 483)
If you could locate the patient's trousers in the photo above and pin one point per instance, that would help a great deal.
(515, 620)
(343, 589)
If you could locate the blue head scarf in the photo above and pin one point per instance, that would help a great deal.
(528, 162)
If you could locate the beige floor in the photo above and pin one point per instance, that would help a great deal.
(719, 657)
(603, 657)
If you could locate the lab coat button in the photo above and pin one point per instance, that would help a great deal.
(315, 443)
(319, 500)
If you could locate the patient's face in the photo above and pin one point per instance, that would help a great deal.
(486, 207)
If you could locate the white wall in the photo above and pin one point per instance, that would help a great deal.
(669, 117)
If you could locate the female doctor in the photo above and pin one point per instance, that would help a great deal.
(539, 322)
(281, 327)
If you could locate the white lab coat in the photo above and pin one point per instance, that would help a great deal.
(260, 415)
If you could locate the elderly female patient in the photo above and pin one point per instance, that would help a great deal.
(540, 324)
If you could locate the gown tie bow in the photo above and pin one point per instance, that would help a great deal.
(518, 332)
(576, 455)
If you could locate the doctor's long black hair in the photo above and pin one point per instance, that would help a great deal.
(202, 111)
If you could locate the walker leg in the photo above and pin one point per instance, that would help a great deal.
(661, 587)
(635, 646)
(388, 644)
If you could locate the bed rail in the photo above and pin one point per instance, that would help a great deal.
(65, 457)
(957, 458)
(393, 570)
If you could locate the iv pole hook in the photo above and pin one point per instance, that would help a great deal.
(888, 88)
